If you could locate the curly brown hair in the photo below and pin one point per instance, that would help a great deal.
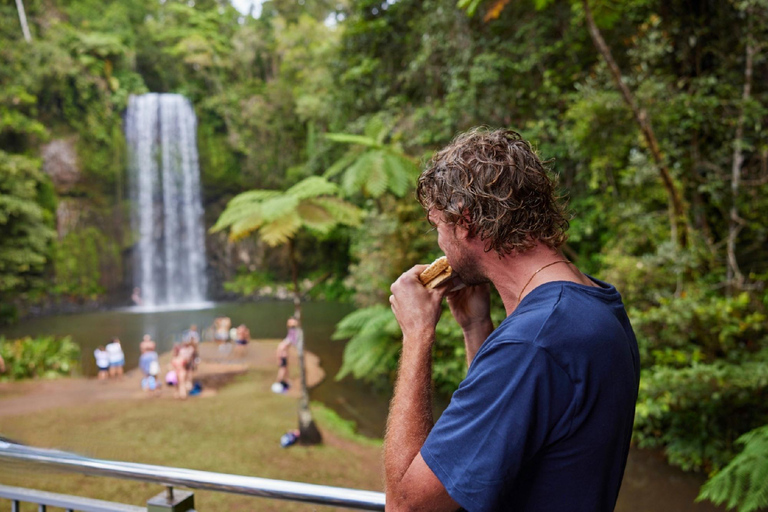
(493, 183)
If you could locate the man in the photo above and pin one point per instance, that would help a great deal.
(543, 419)
(281, 385)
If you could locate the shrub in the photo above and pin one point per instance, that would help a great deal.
(44, 357)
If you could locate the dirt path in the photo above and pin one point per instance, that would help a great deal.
(215, 370)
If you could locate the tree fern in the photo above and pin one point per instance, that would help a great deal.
(313, 186)
(743, 483)
(280, 230)
(277, 217)
(373, 345)
(370, 166)
(311, 203)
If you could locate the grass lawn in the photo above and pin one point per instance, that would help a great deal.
(237, 431)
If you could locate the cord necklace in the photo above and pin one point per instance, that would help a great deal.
(520, 296)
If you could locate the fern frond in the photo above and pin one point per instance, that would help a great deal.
(314, 215)
(342, 163)
(374, 341)
(237, 214)
(377, 182)
(252, 196)
(356, 175)
(366, 356)
(743, 483)
(355, 321)
(244, 226)
(348, 138)
(401, 173)
(280, 230)
(376, 129)
(312, 186)
(341, 211)
(278, 207)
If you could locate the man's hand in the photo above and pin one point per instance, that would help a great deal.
(416, 308)
(410, 483)
(471, 307)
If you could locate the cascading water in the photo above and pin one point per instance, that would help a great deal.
(167, 212)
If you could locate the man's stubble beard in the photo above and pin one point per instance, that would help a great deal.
(466, 268)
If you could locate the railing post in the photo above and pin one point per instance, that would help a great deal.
(172, 501)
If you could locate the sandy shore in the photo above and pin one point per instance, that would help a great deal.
(216, 368)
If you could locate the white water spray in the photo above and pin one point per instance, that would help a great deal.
(167, 213)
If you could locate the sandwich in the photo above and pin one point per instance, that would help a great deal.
(436, 274)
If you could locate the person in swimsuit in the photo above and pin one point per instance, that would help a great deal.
(181, 363)
(221, 328)
(242, 339)
(281, 385)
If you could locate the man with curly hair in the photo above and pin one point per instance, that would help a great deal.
(543, 419)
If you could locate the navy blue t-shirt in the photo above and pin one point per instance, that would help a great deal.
(543, 420)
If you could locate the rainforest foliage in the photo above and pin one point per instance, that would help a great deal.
(45, 357)
(655, 114)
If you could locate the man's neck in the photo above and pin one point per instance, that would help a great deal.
(516, 275)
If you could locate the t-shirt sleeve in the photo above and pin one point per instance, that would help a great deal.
(511, 404)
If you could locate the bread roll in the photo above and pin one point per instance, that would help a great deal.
(436, 274)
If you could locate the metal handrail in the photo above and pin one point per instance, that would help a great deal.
(194, 479)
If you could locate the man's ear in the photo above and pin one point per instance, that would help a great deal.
(460, 232)
(462, 228)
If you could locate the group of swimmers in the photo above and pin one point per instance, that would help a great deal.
(110, 359)
(223, 333)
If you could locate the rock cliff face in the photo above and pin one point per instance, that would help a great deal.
(60, 162)
(226, 257)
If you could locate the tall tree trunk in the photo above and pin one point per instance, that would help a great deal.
(23, 21)
(734, 276)
(309, 434)
(678, 220)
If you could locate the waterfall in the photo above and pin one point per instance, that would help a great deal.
(167, 213)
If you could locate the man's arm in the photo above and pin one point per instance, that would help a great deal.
(410, 483)
(471, 307)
